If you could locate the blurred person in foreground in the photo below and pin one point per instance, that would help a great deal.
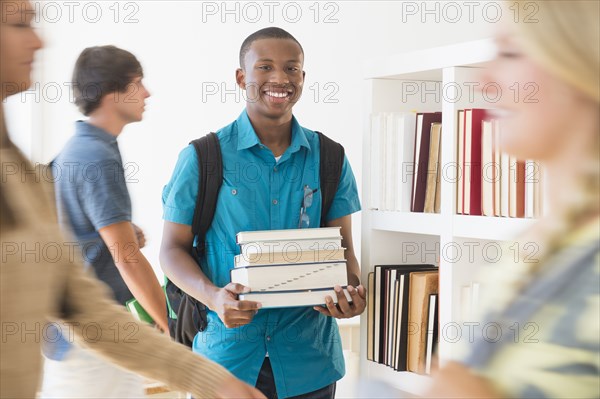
(34, 287)
(560, 292)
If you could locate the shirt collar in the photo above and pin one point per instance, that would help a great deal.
(84, 128)
(247, 137)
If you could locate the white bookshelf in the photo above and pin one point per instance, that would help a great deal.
(391, 237)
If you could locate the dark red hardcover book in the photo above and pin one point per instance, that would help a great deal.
(422, 142)
(473, 167)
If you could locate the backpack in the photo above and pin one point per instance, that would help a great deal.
(187, 315)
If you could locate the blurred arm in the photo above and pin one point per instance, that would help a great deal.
(135, 269)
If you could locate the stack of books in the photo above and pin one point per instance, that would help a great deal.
(289, 268)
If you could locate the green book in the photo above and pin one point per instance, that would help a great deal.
(136, 309)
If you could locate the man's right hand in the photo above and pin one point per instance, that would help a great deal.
(231, 311)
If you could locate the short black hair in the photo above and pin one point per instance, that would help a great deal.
(266, 33)
(102, 70)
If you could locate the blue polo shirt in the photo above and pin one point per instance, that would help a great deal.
(260, 193)
(91, 193)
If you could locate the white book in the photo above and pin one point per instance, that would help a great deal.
(375, 175)
(291, 277)
(418, 134)
(291, 257)
(467, 169)
(430, 332)
(505, 174)
(391, 160)
(465, 303)
(405, 133)
(288, 234)
(531, 180)
(370, 316)
(497, 167)
(541, 193)
(383, 151)
(488, 169)
(292, 299)
(283, 248)
(474, 300)
(460, 159)
(469, 302)
(512, 186)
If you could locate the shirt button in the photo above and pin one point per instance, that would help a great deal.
(275, 202)
(268, 338)
(275, 169)
(234, 191)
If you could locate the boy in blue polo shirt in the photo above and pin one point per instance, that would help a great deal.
(94, 204)
(268, 160)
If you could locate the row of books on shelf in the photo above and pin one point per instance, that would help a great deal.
(491, 182)
(290, 268)
(406, 167)
(402, 317)
(405, 158)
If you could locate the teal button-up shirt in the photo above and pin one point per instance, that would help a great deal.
(259, 193)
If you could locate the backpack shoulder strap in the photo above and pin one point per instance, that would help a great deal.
(331, 163)
(210, 165)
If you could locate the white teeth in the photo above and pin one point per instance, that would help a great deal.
(278, 95)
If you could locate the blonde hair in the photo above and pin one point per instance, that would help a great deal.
(565, 40)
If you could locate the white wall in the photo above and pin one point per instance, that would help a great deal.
(184, 50)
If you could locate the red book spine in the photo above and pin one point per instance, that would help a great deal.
(464, 164)
(478, 116)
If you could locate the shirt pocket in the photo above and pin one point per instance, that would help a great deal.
(296, 204)
(313, 211)
(236, 209)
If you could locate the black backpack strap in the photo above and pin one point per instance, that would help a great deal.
(187, 315)
(331, 163)
(210, 166)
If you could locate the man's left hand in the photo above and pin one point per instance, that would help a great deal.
(345, 309)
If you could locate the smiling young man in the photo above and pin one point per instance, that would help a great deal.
(94, 203)
(268, 161)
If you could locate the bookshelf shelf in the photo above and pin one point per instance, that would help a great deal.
(489, 228)
(391, 237)
(406, 222)
(464, 226)
(400, 380)
(428, 64)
